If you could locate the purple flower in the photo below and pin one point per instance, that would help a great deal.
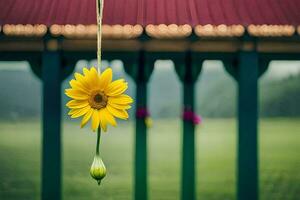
(189, 115)
(142, 113)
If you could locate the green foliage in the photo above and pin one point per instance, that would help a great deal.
(281, 97)
(20, 94)
(216, 94)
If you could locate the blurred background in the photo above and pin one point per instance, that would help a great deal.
(216, 137)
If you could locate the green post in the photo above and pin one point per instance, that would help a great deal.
(188, 142)
(141, 144)
(248, 72)
(188, 73)
(51, 139)
(140, 69)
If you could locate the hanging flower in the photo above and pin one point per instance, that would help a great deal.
(95, 96)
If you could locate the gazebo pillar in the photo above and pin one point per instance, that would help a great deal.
(51, 139)
(140, 71)
(140, 165)
(188, 72)
(246, 70)
(248, 73)
(52, 69)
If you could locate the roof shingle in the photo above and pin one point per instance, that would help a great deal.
(144, 12)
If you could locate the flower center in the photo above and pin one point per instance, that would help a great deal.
(98, 100)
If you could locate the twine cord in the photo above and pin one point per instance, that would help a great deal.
(99, 5)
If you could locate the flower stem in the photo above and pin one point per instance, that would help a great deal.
(98, 140)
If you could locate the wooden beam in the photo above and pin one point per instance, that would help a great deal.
(21, 45)
(278, 47)
(207, 45)
(107, 45)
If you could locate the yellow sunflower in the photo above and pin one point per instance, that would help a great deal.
(95, 96)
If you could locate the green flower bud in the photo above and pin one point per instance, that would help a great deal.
(98, 170)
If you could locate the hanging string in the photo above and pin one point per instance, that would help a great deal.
(99, 5)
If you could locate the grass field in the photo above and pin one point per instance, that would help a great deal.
(216, 154)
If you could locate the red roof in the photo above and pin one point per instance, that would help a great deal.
(146, 12)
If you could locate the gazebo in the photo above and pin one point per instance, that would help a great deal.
(52, 35)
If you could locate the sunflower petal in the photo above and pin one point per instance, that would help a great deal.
(122, 114)
(94, 78)
(109, 117)
(78, 86)
(75, 104)
(76, 94)
(72, 111)
(121, 99)
(85, 71)
(88, 78)
(81, 111)
(95, 120)
(116, 88)
(82, 79)
(119, 106)
(102, 119)
(86, 118)
(115, 84)
(105, 78)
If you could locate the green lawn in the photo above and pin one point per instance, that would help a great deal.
(216, 145)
